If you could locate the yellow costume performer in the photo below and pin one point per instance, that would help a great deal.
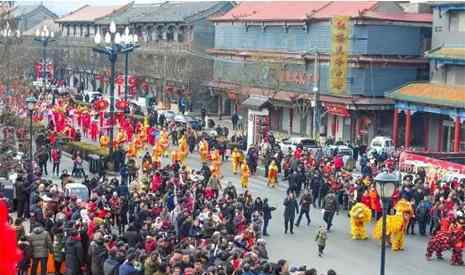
(104, 141)
(236, 160)
(245, 174)
(183, 148)
(175, 156)
(164, 141)
(272, 174)
(157, 153)
(360, 215)
(132, 151)
(121, 137)
(203, 149)
(216, 162)
(395, 230)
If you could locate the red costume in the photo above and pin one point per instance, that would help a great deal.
(93, 130)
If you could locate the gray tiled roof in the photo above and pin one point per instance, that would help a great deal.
(174, 11)
(24, 9)
(124, 16)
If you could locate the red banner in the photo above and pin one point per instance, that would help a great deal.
(337, 109)
(407, 160)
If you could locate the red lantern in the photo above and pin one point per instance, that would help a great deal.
(100, 105)
(121, 104)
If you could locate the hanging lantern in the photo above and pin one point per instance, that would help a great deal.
(121, 104)
(101, 105)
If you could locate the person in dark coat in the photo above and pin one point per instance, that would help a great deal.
(330, 206)
(21, 196)
(291, 208)
(41, 245)
(266, 216)
(74, 254)
(315, 186)
(131, 236)
(112, 263)
(305, 202)
(97, 254)
(127, 268)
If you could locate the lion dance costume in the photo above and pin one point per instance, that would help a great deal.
(216, 163)
(395, 229)
(360, 215)
(203, 149)
(236, 160)
(450, 236)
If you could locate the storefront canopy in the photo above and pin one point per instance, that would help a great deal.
(256, 102)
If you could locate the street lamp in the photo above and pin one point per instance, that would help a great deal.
(129, 41)
(114, 44)
(30, 103)
(44, 36)
(9, 37)
(385, 183)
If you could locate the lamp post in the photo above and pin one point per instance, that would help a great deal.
(9, 37)
(114, 44)
(30, 103)
(129, 41)
(44, 37)
(385, 184)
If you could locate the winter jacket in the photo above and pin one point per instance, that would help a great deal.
(98, 254)
(290, 208)
(59, 247)
(127, 269)
(74, 256)
(110, 266)
(40, 242)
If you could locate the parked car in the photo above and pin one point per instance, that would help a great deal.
(382, 144)
(192, 121)
(292, 143)
(169, 115)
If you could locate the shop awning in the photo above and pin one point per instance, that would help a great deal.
(256, 102)
(447, 54)
(431, 94)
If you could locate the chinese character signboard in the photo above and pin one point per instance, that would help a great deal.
(340, 31)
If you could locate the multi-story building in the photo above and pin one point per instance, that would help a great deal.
(26, 16)
(432, 113)
(173, 36)
(361, 50)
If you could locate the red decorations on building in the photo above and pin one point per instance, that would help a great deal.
(337, 109)
(100, 105)
(121, 104)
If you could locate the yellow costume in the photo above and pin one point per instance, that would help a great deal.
(139, 143)
(395, 230)
(273, 174)
(236, 160)
(245, 174)
(183, 148)
(164, 141)
(216, 162)
(175, 156)
(360, 215)
(121, 137)
(132, 151)
(203, 149)
(104, 141)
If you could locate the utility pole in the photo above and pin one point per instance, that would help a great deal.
(316, 91)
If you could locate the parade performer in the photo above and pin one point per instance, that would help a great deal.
(449, 236)
(175, 157)
(273, 174)
(236, 160)
(93, 130)
(203, 149)
(245, 174)
(360, 215)
(216, 162)
(157, 152)
(104, 141)
(121, 137)
(139, 143)
(183, 148)
(132, 151)
(395, 230)
(164, 141)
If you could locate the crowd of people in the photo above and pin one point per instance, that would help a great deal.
(160, 218)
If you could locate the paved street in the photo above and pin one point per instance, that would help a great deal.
(342, 254)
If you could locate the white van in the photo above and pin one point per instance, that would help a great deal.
(382, 144)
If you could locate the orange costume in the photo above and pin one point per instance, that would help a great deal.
(164, 141)
(132, 151)
(236, 160)
(245, 174)
(273, 174)
(216, 162)
(183, 149)
(203, 149)
(104, 141)
(175, 157)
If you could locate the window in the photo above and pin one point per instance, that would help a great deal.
(455, 75)
(170, 33)
(457, 22)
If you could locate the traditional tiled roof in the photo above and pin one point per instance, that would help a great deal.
(24, 10)
(51, 26)
(300, 11)
(431, 94)
(447, 53)
(174, 11)
(89, 13)
(124, 16)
